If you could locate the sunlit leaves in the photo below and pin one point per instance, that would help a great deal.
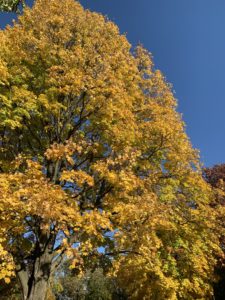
(94, 154)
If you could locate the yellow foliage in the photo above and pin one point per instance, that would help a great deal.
(91, 144)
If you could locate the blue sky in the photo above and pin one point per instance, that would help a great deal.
(187, 40)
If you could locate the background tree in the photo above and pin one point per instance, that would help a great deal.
(215, 176)
(94, 285)
(94, 154)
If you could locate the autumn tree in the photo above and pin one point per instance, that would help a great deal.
(94, 154)
(215, 176)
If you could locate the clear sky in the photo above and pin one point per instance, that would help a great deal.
(187, 40)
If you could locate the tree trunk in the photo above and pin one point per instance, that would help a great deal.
(34, 280)
(38, 291)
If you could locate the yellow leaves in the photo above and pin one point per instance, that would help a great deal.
(6, 263)
(17, 103)
(31, 193)
(168, 252)
(44, 101)
(79, 177)
(7, 280)
(100, 128)
(95, 221)
(144, 61)
(3, 73)
(49, 101)
(64, 242)
(75, 263)
(59, 151)
(118, 170)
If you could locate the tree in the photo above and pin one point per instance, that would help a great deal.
(215, 176)
(92, 285)
(11, 5)
(94, 154)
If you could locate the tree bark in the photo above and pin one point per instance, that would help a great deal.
(34, 281)
(38, 291)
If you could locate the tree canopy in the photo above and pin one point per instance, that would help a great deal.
(94, 154)
(215, 176)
